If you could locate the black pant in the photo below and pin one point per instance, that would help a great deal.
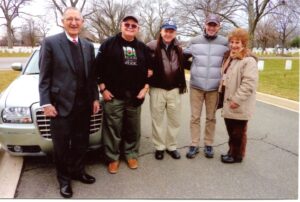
(237, 131)
(70, 136)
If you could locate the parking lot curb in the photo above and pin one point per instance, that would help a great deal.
(10, 171)
(278, 101)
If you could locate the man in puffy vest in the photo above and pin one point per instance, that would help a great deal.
(207, 51)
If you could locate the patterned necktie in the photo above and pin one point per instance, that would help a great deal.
(75, 42)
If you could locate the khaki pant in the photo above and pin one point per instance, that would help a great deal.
(162, 101)
(197, 99)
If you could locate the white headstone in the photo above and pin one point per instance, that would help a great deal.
(288, 64)
(260, 65)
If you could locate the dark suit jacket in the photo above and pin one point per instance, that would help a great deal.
(57, 85)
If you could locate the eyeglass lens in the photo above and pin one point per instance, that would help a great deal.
(128, 25)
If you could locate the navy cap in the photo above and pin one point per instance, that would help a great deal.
(127, 17)
(169, 24)
(212, 18)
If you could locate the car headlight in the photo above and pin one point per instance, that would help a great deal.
(16, 115)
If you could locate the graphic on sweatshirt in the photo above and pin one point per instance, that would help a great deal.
(129, 56)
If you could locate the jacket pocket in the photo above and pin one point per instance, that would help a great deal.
(237, 110)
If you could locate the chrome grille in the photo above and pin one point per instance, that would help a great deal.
(43, 123)
(96, 121)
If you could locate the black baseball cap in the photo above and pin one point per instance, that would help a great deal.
(131, 17)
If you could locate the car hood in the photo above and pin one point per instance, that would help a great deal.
(23, 91)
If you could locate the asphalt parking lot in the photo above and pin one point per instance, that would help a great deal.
(269, 171)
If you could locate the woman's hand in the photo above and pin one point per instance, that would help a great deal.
(233, 105)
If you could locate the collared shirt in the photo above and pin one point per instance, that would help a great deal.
(71, 38)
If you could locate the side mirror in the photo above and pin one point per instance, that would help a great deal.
(17, 66)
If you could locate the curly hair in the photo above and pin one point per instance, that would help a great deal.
(240, 34)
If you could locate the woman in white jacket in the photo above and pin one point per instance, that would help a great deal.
(238, 89)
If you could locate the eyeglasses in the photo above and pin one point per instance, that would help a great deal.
(128, 25)
(73, 19)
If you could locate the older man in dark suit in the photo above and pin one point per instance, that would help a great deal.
(69, 94)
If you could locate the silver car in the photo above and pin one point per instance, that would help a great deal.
(24, 129)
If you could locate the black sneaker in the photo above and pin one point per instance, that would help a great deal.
(192, 152)
(209, 152)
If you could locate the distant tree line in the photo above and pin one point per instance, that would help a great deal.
(270, 22)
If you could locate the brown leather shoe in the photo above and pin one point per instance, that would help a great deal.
(132, 163)
(113, 167)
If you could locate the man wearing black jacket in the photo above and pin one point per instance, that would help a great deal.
(122, 64)
(68, 95)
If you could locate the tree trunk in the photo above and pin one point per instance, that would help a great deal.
(251, 17)
(9, 35)
(283, 41)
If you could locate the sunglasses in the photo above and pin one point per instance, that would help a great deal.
(128, 25)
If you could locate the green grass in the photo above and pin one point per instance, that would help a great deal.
(7, 54)
(277, 55)
(275, 80)
(6, 77)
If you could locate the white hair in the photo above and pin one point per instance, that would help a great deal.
(71, 8)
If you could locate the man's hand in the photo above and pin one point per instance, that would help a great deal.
(234, 105)
(96, 107)
(107, 96)
(142, 93)
(50, 111)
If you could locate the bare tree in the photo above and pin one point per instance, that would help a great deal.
(265, 33)
(30, 33)
(231, 12)
(43, 26)
(60, 5)
(286, 22)
(152, 13)
(256, 10)
(192, 14)
(11, 10)
(106, 17)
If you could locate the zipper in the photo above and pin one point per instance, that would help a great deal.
(208, 64)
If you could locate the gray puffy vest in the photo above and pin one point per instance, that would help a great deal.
(207, 61)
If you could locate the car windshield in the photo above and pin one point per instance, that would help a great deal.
(32, 66)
